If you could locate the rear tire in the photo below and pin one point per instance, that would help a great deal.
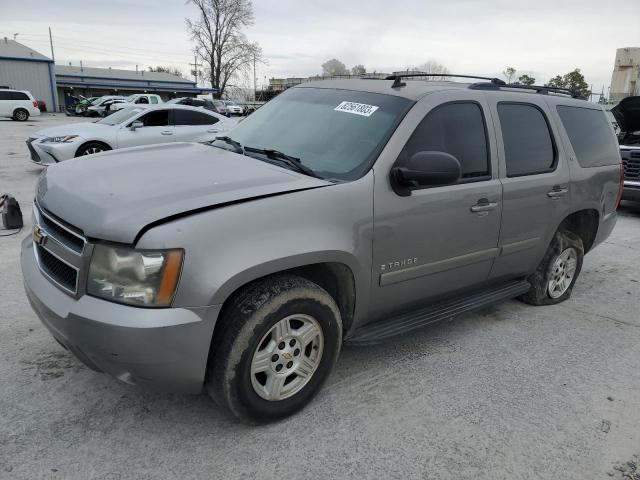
(21, 115)
(90, 148)
(278, 341)
(553, 280)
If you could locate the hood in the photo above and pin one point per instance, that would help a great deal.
(627, 114)
(83, 129)
(114, 195)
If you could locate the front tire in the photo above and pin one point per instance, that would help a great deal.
(278, 341)
(21, 115)
(553, 280)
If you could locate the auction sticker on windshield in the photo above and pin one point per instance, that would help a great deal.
(357, 108)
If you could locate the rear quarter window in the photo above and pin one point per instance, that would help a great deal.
(590, 136)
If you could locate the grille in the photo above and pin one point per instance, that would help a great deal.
(34, 155)
(55, 229)
(57, 270)
(631, 164)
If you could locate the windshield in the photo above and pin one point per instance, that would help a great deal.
(337, 133)
(130, 98)
(121, 116)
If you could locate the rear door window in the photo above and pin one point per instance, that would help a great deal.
(5, 95)
(590, 135)
(457, 129)
(189, 117)
(528, 144)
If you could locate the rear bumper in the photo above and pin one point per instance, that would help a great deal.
(164, 349)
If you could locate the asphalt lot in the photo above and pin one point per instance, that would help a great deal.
(510, 392)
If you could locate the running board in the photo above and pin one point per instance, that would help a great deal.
(380, 331)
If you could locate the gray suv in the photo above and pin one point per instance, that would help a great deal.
(341, 211)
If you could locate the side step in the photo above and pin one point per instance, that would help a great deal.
(382, 330)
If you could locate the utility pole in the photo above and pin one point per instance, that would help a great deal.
(195, 65)
(255, 79)
(53, 57)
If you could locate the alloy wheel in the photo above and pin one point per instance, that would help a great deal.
(562, 273)
(287, 357)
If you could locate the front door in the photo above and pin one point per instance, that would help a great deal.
(156, 129)
(438, 240)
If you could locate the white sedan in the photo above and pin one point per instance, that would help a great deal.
(131, 127)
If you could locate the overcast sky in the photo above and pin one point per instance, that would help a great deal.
(542, 37)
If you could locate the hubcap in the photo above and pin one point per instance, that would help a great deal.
(21, 115)
(287, 357)
(562, 273)
(89, 151)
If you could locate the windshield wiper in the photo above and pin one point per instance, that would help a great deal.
(292, 163)
(230, 141)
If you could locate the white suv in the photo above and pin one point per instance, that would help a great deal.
(18, 104)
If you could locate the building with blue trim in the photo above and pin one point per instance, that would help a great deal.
(22, 68)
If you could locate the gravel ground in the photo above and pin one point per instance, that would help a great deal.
(510, 392)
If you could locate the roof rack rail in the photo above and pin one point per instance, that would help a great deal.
(541, 89)
(397, 78)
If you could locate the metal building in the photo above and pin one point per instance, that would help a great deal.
(625, 81)
(22, 68)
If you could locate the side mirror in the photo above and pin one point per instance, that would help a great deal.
(136, 124)
(425, 169)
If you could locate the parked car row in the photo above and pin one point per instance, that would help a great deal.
(132, 126)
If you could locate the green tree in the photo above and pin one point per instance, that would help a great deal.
(334, 67)
(573, 80)
(509, 73)
(526, 80)
(358, 70)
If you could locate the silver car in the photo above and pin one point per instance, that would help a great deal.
(341, 211)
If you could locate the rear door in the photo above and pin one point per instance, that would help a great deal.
(438, 240)
(156, 129)
(535, 178)
(195, 126)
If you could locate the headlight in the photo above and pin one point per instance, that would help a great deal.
(60, 139)
(135, 277)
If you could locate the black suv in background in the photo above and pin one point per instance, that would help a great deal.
(627, 114)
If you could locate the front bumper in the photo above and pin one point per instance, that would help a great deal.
(164, 348)
(50, 153)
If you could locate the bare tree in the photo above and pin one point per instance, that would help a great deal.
(167, 69)
(433, 66)
(334, 67)
(220, 41)
(509, 73)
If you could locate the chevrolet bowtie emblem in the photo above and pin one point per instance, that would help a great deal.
(38, 236)
(287, 356)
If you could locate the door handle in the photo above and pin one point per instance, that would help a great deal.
(557, 191)
(167, 132)
(484, 205)
(213, 130)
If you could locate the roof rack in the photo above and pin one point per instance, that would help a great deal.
(541, 89)
(397, 78)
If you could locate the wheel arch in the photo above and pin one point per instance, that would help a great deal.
(584, 224)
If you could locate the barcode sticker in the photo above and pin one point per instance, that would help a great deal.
(357, 108)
